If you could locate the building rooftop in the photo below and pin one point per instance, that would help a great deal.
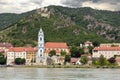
(56, 45)
(107, 48)
(21, 49)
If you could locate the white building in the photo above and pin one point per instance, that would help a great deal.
(28, 53)
(107, 52)
(88, 43)
(17, 52)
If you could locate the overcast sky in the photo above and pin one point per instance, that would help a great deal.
(19, 6)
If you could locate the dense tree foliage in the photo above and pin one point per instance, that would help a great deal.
(90, 49)
(81, 50)
(67, 58)
(84, 60)
(75, 52)
(96, 43)
(112, 60)
(65, 24)
(2, 59)
(102, 60)
(20, 61)
(52, 53)
(63, 53)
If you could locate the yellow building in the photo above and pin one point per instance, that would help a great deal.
(30, 55)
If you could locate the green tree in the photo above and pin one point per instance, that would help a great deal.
(94, 61)
(67, 58)
(84, 60)
(17, 43)
(52, 53)
(81, 50)
(23, 61)
(96, 43)
(90, 49)
(20, 61)
(63, 53)
(112, 60)
(102, 61)
(75, 52)
(2, 59)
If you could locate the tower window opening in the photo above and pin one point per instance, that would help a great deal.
(40, 39)
(40, 55)
(40, 50)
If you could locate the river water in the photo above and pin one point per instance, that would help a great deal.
(58, 74)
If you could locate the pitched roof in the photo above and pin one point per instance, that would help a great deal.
(107, 48)
(21, 49)
(56, 45)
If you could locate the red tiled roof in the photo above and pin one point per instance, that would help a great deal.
(21, 49)
(107, 48)
(56, 45)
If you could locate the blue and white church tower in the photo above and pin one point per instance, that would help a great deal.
(40, 57)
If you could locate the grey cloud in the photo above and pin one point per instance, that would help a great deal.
(75, 3)
(39, 2)
(72, 3)
(78, 3)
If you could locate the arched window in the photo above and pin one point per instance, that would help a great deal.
(40, 50)
(40, 39)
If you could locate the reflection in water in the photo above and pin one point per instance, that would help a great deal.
(58, 74)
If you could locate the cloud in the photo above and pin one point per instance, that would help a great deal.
(19, 6)
(100, 6)
(112, 5)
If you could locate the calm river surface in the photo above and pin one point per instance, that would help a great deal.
(58, 74)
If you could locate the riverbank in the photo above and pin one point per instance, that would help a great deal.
(61, 66)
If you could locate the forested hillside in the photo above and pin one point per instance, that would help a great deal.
(71, 25)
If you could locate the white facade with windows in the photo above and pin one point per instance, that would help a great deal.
(107, 52)
(11, 56)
